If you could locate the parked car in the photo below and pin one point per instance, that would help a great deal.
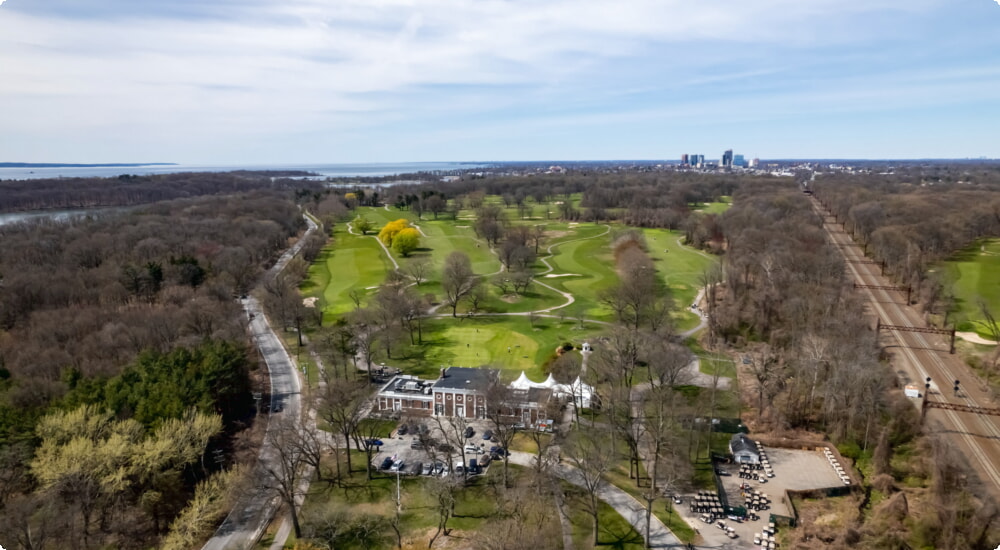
(472, 449)
(422, 429)
(403, 429)
(499, 451)
(440, 469)
(485, 460)
(427, 469)
(418, 445)
(519, 426)
(469, 432)
(373, 442)
(678, 500)
(386, 463)
(473, 466)
(445, 448)
(397, 466)
(488, 435)
(415, 468)
(722, 472)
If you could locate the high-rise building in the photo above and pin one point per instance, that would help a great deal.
(754, 163)
(738, 161)
(684, 158)
(727, 159)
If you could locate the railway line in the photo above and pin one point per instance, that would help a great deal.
(924, 355)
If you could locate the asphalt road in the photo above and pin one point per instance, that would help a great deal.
(253, 512)
(916, 356)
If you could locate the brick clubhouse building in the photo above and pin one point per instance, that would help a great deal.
(459, 391)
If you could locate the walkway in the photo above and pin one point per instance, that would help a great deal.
(627, 506)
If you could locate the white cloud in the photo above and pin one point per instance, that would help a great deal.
(271, 69)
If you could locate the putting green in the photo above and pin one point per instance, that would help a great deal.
(489, 345)
(477, 341)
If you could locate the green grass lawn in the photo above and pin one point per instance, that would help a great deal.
(581, 259)
(680, 268)
(584, 256)
(476, 341)
(352, 262)
(613, 530)
(975, 273)
(715, 207)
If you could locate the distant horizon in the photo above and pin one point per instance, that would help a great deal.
(461, 162)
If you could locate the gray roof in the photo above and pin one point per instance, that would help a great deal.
(465, 378)
(740, 442)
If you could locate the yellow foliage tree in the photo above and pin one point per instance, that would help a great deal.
(389, 231)
(406, 241)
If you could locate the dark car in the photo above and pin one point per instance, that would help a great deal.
(386, 463)
(484, 461)
(415, 468)
(373, 442)
(488, 435)
(418, 445)
(469, 432)
(473, 466)
(402, 430)
(422, 429)
(445, 448)
(497, 452)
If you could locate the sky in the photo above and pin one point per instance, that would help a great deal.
(346, 81)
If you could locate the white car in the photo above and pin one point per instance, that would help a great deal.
(397, 466)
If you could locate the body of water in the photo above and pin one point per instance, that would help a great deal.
(57, 215)
(325, 170)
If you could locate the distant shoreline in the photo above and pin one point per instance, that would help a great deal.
(71, 165)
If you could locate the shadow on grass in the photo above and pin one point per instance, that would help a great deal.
(619, 537)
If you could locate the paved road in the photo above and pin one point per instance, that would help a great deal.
(917, 356)
(252, 513)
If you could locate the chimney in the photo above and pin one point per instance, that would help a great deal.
(444, 372)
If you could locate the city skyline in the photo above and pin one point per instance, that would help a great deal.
(394, 81)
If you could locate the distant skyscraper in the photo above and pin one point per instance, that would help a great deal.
(684, 158)
(738, 161)
(754, 163)
(727, 159)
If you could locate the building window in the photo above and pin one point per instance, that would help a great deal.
(438, 409)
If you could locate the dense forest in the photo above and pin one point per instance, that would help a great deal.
(130, 190)
(912, 221)
(124, 359)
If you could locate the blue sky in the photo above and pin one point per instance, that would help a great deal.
(313, 81)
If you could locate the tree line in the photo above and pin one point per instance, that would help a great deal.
(130, 190)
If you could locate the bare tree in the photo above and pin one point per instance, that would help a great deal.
(342, 406)
(418, 269)
(457, 280)
(592, 458)
(442, 490)
(284, 474)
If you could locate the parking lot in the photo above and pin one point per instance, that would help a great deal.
(410, 448)
(794, 470)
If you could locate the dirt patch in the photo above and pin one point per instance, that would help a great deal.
(511, 298)
(554, 234)
(975, 338)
